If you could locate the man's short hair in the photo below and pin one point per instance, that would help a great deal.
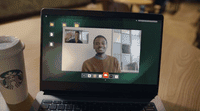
(77, 32)
(99, 36)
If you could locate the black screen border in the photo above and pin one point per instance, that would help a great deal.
(151, 90)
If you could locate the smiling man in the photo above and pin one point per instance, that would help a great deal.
(101, 62)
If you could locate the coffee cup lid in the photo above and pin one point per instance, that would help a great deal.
(9, 46)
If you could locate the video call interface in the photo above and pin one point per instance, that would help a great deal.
(78, 51)
(100, 53)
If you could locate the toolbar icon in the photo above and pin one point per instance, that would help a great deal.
(94, 76)
(100, 75)
(84, 75)
(116, 76)
(89, 75)
(111, 76)
(105, 74)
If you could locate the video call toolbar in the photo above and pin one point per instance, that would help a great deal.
(105, 75)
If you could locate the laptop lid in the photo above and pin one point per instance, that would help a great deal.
(100, 52)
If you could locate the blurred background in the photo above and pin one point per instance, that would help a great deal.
(181, 17)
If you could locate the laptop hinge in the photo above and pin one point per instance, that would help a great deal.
(96, 95)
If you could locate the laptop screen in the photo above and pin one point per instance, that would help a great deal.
(99, 49)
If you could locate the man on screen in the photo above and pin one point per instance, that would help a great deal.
(76, 39)
(101, 62)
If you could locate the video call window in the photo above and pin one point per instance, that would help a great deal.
(81, 48)
(76, 36)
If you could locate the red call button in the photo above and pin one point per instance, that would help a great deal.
(105, 74)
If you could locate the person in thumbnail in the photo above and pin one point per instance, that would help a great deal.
(76, 39)
(101, 62)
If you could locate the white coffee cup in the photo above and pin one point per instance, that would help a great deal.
(13, 84)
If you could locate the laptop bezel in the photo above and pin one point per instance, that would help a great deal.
(101, 88)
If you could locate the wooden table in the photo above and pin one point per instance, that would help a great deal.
(135, 2)
(179, 77)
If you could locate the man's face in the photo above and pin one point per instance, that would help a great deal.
(100, 45)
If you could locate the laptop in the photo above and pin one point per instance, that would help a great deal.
(98, 61)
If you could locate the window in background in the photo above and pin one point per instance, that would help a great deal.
(126, 48)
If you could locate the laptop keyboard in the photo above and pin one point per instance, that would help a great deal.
(55, 105)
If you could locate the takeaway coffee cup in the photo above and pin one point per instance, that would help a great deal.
(13, 84)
